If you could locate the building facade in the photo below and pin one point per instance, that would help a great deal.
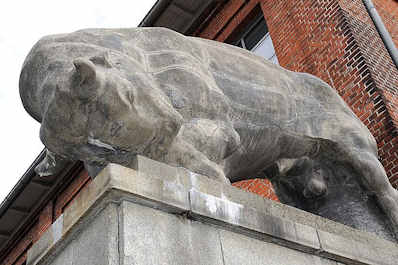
(335, 40)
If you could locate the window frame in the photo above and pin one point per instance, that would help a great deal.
(247, 31)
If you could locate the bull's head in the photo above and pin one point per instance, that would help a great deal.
(98, 109)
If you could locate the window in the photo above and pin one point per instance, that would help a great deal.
(257, 39)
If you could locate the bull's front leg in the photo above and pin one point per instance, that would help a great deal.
(201, 146)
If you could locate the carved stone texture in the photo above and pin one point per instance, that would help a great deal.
(106, 95)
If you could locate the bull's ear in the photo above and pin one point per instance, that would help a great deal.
(86, 71)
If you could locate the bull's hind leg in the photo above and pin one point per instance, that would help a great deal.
(363, 163)
(375, 179)
(370, 172)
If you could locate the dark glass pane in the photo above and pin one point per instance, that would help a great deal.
(239, 44)
(255, 34)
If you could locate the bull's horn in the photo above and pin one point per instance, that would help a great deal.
(102, 59)
(86, 70)
(52, 164)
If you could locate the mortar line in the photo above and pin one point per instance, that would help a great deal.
(221, 246)
(319, 241)
(119, 231)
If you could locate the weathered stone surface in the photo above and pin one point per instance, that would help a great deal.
(342, 248)
(95, 243)
(105, 95)
(130, 225)
(153, 237)
(46, 242)
(164, 171)
(228, 193)
(240, 249)
(153, 192)
(247, 220)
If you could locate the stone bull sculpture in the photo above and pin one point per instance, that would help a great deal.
(106, 95)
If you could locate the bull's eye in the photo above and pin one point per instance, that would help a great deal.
(57, 87)
(90, 107)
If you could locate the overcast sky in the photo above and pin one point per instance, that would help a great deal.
(22, 23)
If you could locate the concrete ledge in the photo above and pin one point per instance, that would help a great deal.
(248, 221)
(218, 207)
(354, 252)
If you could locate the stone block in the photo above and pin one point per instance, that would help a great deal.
(131, 217)
(185, 178)
(85, 200)
(178, 175)
(153, 237)
(95, 241)
(171, 196)
(239, 249)
(160, 170)
(46, 242)
(350, 251)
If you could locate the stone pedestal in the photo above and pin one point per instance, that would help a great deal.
(159, 214)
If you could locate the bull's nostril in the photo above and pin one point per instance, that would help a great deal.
(315, 188)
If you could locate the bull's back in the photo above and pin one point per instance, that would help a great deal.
(219, 81)
(265, 94)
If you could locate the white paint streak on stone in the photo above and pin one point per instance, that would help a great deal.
(232, 209)
(57, 228)
(170, 186)
(211, 204)
(175, 188)
(193, 177)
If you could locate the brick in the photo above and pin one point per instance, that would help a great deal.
(221, 19)
(44, 222)
(66, 196)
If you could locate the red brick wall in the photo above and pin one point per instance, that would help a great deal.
(382, 121)
(262, 187)
(388, 11)
(336, 41)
